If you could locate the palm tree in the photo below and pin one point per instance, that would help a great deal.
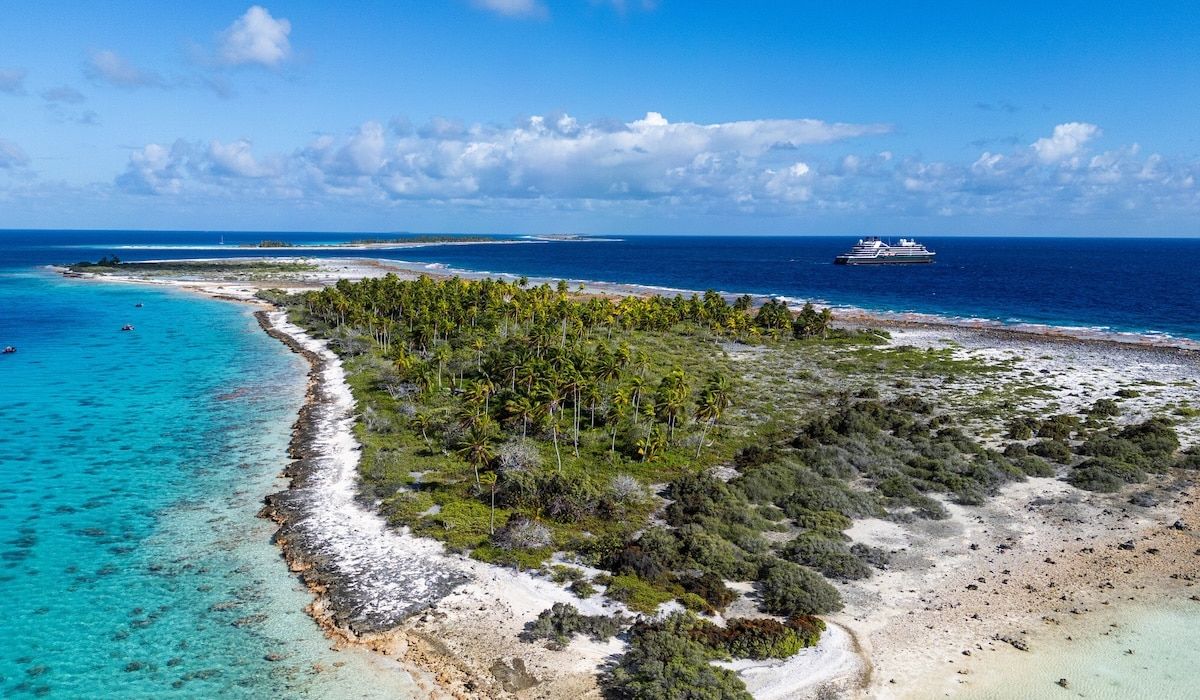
(551, 398)
(423, 422)
(441, 355)
(522, 407)
(650, 445)
(477, 449)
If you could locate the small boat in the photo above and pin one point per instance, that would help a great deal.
(127, 327)
(137, 305)
(8, 349)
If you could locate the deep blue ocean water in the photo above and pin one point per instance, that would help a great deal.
(1121, 284)
(132, 466)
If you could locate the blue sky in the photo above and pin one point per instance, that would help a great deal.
(593, 116)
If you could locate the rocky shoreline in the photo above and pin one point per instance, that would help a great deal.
(350, 604)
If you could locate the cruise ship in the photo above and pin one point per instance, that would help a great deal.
(872, 251)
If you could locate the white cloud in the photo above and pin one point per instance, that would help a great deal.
(256, 38)
(11, 155)
(513, 8)
(235, 159)
(652, 166)
(155, 169)
(109, 67)
(1066, 141)
(12, 81)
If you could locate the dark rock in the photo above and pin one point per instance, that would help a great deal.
(1143, 499)
(1126, 545)
(1062, 682)
(1180, 525)
(1016, 642)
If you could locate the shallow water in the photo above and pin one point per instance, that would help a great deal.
(132, 466)
(1133, 652)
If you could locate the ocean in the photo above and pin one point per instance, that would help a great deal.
(1127, 285)
(132, 465)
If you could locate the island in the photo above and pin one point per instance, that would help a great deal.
(527, 489)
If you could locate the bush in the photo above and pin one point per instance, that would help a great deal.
(518, 455)
(626, 491)
(1059, 427)
(832, 558)
(582, 588)
(762, 638)
(636, 594)
(791, 590)
(754, 455)
(826, 522)
(1053, 450)
(1156, 438)
(562, 621)
(1190, 459)
(1021, 428)
(1104, 408)
(665, 662)
(710, 588)
(522, 533)
(700, 548)
(1105, 475)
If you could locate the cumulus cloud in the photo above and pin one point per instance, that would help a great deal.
(63, 94)
(1066, 141)
(513, 8)
(235, 159)
(256, 38)
(11, 156)
(652, 165)
(155, 169)
(109, 67)
(552, 156)
(12, 81)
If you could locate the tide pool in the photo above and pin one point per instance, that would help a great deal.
(132, 466)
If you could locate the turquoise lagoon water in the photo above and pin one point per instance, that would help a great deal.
(1133, 652)
(131, 469)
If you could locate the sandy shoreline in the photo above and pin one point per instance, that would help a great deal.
(1040, 556)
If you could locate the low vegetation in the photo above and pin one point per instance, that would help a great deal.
(516, 422)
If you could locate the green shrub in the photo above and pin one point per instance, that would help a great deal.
(582, 588)
(636, 594)
(1021, 428)
(762, 638)
(829, 522)
(710, 588)
(1156, 438)
(1104, 408)
(1059, 427)
(832, 558)
(1190, 459)
(790, 590)
(666, 662)
(1105, 475)
(562, 621)
(1053, 450)
(1128, 393)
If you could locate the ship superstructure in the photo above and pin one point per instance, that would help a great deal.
(873, 251)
